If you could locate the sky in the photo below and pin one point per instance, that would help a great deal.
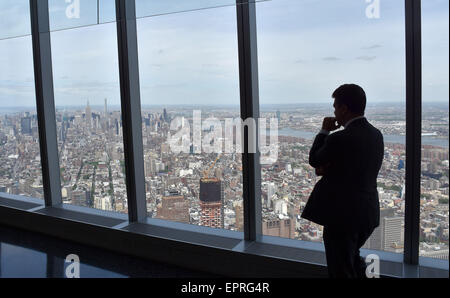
(188, 52)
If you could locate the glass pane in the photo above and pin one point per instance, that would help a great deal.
(307, 49)
(66, 14)
(145, 8)
(189, 66)
(107, 10)
(435, 126)
(20, 161)
(14, 18)
(88, 112)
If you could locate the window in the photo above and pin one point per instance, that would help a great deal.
(20, 171)
(190, 95)
(189, 69)
(88, 110)
(435, 115)
(306, 50)
(65, 14)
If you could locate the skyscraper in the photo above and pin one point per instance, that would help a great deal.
(211, 203)
(105, 117)
(106, 108)
(238, 209)
(25, 124)
(392, 232)
(166, 116)
(279, 227)
(388, 233)
(116, 124)
(88, 116)
(62, 135)
(271, 190)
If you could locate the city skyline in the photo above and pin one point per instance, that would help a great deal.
(92, 172)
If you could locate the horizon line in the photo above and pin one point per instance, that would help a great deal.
(220, 105)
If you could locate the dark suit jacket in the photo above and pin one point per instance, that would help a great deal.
(347, 196)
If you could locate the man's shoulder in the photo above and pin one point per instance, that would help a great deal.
(339, 134)
(365, 126)
(336, 136)
(357, 134)
(375, 130)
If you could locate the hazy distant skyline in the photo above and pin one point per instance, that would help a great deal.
(306, 49)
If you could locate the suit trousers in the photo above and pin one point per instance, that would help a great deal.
(342, 249)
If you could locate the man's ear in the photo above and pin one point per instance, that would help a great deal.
(345, 109)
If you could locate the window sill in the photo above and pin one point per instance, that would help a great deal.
(195, 247)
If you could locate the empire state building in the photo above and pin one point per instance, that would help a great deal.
(88, 116)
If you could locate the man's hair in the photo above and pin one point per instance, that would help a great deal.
(353, 96)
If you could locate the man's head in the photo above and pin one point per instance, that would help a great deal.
(350, 102)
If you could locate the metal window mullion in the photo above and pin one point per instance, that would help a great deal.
(131, 109)
(413, 130)
(55, 266)
(45, 101)
(249, 93)
(98, 11)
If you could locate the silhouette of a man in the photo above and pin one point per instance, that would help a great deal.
(345, 200)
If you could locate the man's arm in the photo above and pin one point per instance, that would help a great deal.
(323, 151)
(325, 148)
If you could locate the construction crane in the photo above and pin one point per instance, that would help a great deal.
(206, 173)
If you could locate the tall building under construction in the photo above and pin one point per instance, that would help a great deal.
(211, 203)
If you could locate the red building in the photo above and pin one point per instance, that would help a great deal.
(211, 203)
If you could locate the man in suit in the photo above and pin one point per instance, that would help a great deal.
(345, 200)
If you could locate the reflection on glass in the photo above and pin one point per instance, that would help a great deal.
(66, 14)
(146, 8)
(88, 116)
(20, 262)
(14, 18)
(435, 129)
(189, 66)
(306, 49)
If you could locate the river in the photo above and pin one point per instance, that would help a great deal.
(393, 139)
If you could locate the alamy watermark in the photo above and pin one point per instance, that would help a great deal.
(73, 10)
(211, 136)
(73, 269)
(373, 9)
(373, 266)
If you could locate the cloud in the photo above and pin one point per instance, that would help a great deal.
(366, 58)
(331, 59)
(372, 47)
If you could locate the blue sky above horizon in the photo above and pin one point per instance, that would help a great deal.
(306, 49)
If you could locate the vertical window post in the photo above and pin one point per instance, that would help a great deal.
(45, 101)
(131, 109)
(413, 130)
(249, 92)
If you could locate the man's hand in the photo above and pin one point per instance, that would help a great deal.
(323, 170)
(330, 124)
(320, 171)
